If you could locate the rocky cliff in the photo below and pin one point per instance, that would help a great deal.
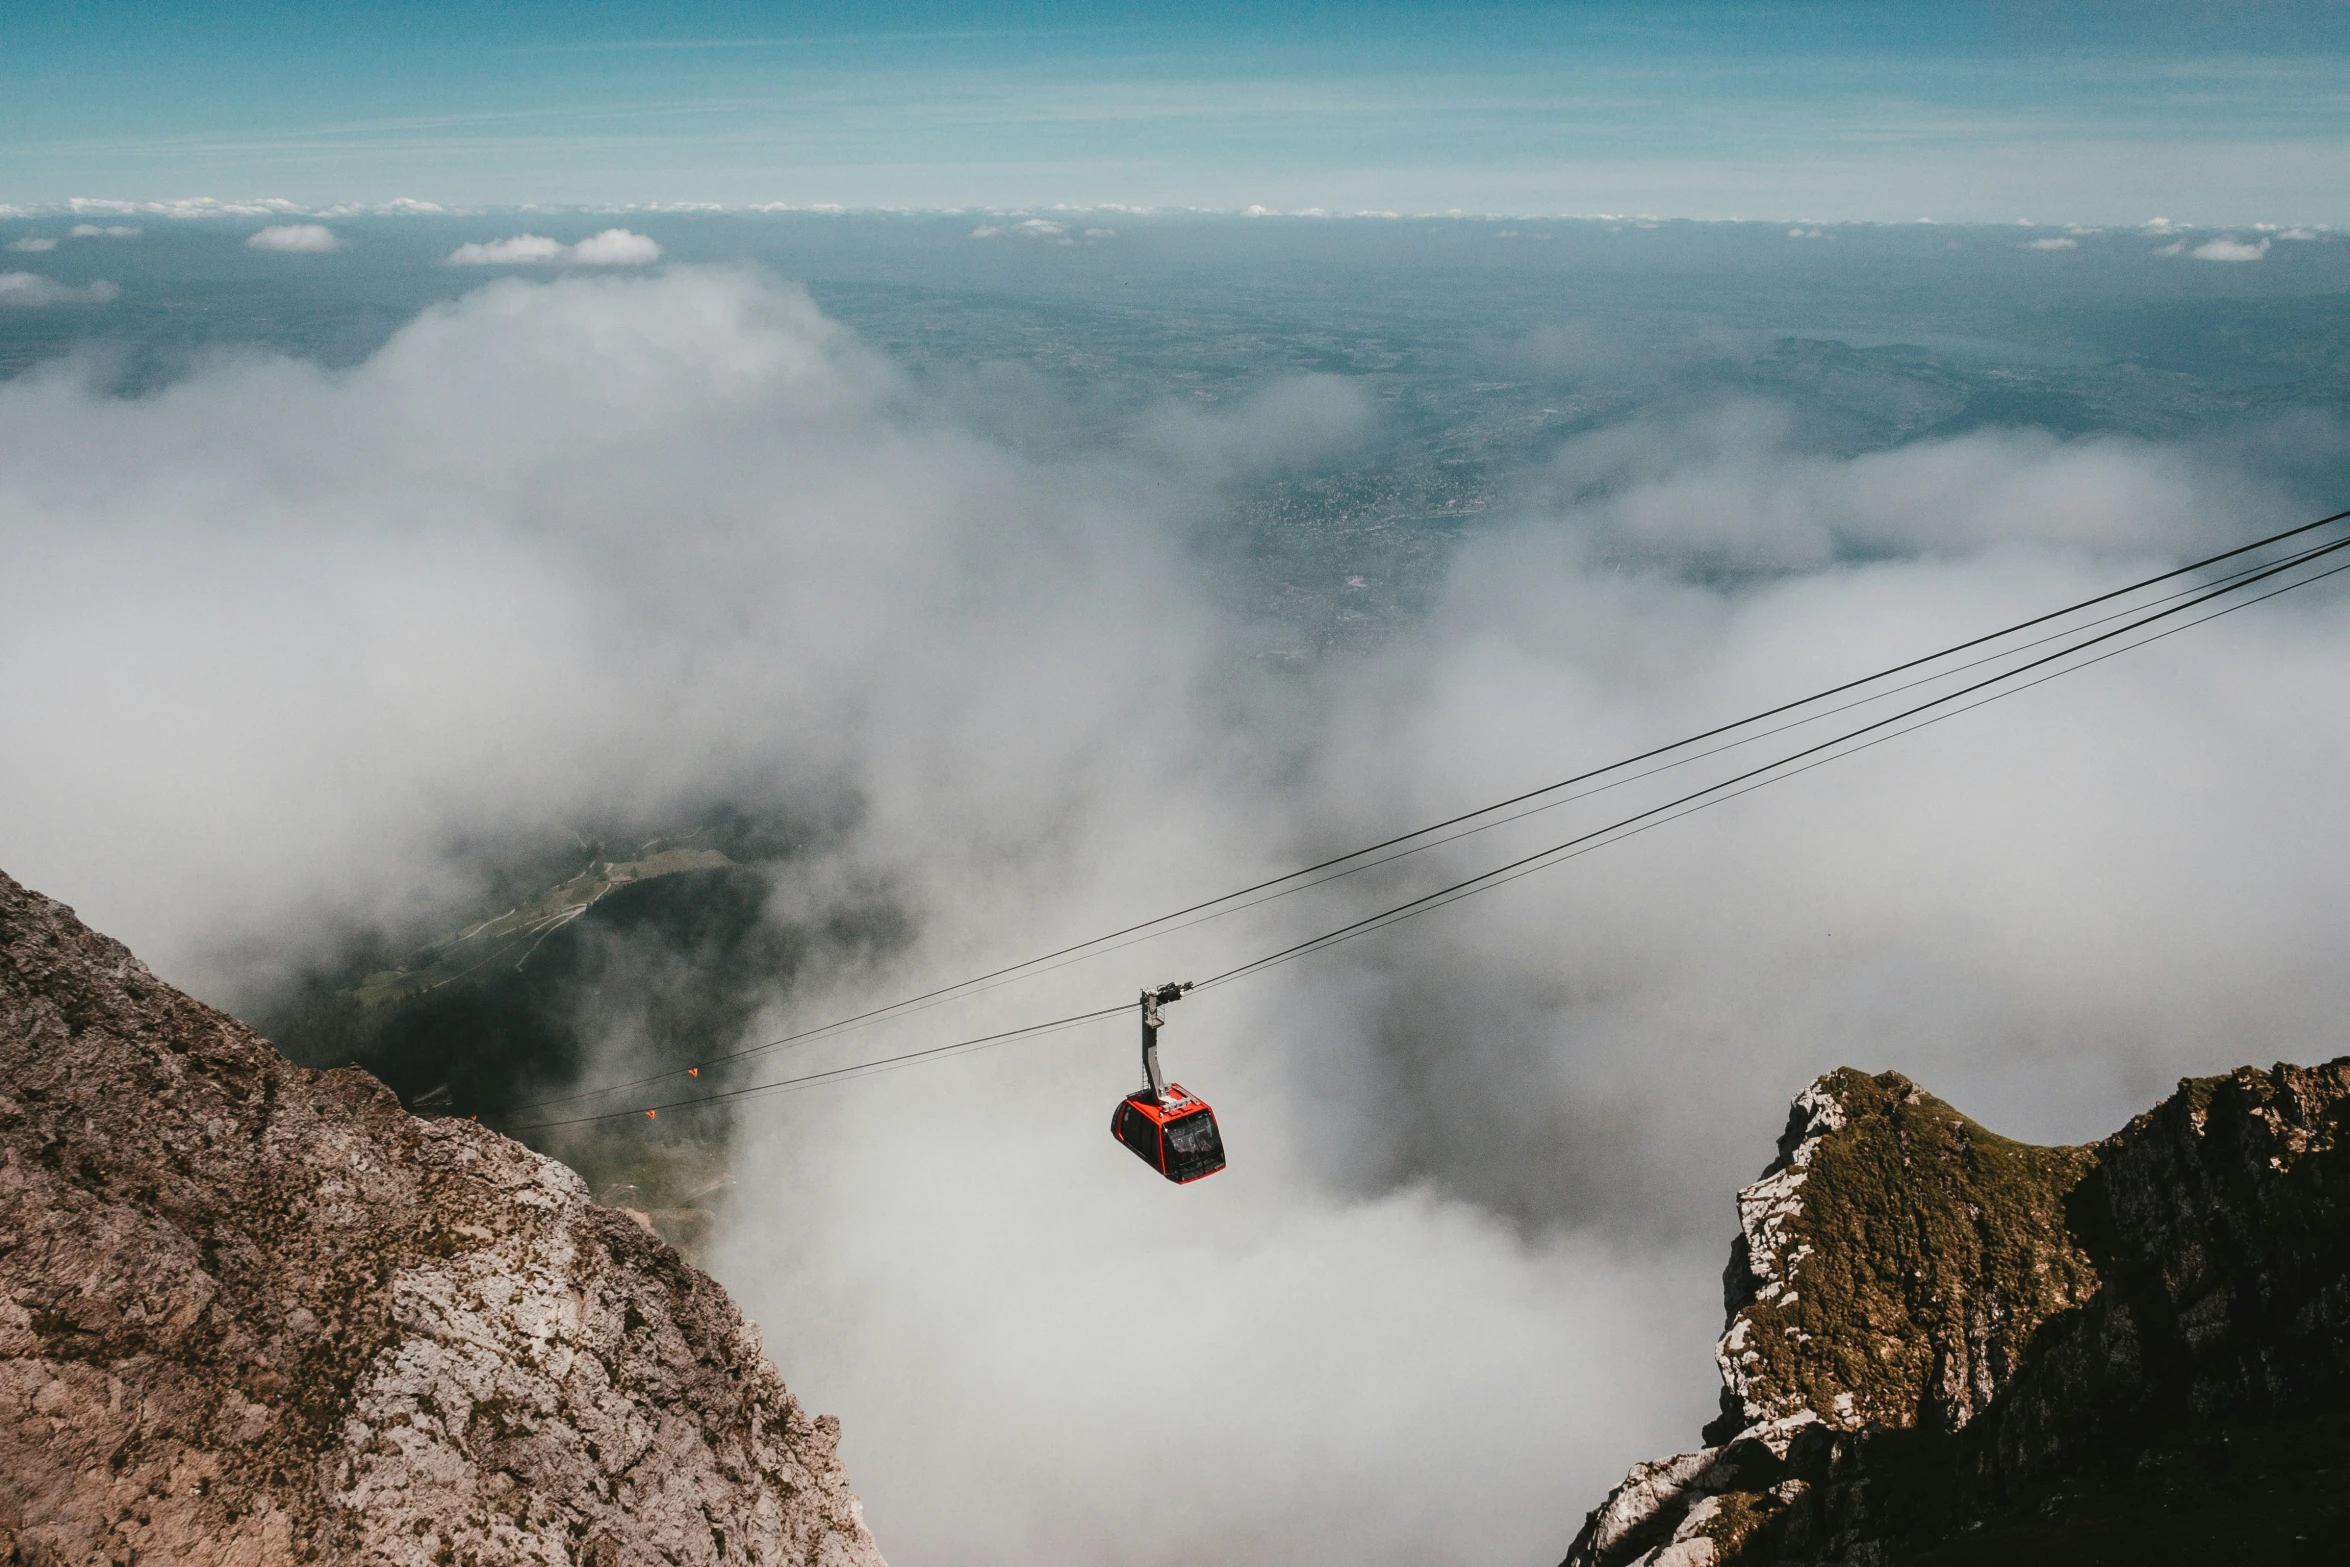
(251, 1313)
(1947, 1347)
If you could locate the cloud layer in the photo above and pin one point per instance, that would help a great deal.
(295, 239)
(31, 291)
(2224, 248)
(295, 639)
(609, 248)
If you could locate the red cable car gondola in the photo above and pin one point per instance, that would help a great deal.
(1171, 1131)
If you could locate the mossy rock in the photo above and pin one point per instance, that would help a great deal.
(1923, 1253)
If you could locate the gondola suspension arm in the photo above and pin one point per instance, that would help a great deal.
(1152, 1078)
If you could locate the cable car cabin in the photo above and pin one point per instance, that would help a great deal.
(1171, 1131)
(1178, 1139)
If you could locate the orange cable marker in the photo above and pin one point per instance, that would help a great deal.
(693, 1071)
(651, 1114)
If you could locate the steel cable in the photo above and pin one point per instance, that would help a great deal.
(1717, 793)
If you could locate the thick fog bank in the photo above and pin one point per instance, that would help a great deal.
(285, 647)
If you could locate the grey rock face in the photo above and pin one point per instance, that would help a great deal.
(1940, 1340)
(255, 1314)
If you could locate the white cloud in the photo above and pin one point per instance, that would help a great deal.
(398, 206)
(1727, 488)
(520, 250)
(2225, 249)
(104, 231)
(295, 238)
(1042, 229)
(2062, 243)
(615, 248)
(619, 538)
(189, 207)
(33, 242)
(699, 537)
(611, 248)
(2222, 248)
(1803, 233)
(27, 290)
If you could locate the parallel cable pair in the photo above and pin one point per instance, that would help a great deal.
(1786, 766)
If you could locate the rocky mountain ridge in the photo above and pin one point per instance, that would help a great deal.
(1947, 1347)
(251, 1313)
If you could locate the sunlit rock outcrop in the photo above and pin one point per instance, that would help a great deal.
(1943, 1341)
(251, 1313)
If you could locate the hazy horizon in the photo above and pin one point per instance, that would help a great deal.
(1985, 111)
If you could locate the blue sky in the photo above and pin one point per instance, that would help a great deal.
(2056, 112)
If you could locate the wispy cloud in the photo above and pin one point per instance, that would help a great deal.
(397, 207)
(2220, 249)
(520, 250)
(29, 290)
(296, 238)
(1041, 229)
(615, 248)
(183, 207)
(610, 248)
